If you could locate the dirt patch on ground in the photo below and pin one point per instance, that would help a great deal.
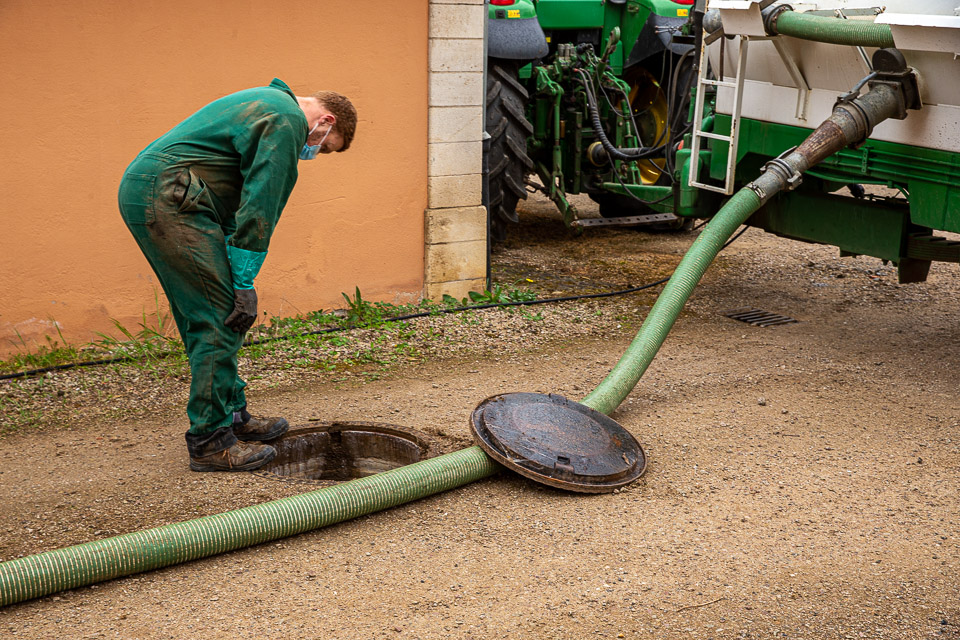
(803, 479)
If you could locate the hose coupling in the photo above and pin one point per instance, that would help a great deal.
(712, 22)
(789, 176)
(893, 89)
(854, 109)
(892, 70)
(712, 26)
(757, 189)
(770, 15)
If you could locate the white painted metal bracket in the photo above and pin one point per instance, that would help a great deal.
(741, 17)
(803, 88)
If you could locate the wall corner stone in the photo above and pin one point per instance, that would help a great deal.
(455, 222)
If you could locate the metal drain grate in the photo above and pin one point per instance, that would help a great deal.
(758, 317)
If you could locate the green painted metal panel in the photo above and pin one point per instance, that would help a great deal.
(668, 8)
(616, 59)
(520, 9)
(936, 206)
(634, 16)
(570, 14)
(690, 203)
(930, 176)
(866, 228)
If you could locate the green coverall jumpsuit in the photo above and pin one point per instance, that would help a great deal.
(202, 202)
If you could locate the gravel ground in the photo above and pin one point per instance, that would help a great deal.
(802, 482)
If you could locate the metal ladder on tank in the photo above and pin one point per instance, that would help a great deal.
(698, 134)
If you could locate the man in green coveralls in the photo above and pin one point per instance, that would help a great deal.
(202, 201)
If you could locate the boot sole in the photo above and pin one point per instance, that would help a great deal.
(250, 466)
(264, 437)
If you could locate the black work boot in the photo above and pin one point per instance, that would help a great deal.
(248, 428)
(240, 457)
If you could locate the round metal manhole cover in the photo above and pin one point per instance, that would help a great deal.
(558, 442)
(344, 450)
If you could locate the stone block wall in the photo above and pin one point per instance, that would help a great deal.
(455, 222)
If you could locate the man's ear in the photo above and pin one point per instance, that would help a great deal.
(328, 118)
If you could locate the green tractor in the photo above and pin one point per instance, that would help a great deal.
(591, 96)
(594, 96)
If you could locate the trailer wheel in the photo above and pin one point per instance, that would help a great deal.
(507, 159)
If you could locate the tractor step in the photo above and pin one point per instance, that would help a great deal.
(625, 221)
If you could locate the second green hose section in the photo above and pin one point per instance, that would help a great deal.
(858, 33)
(91, 562)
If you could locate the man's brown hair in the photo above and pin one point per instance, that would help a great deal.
(343, 110)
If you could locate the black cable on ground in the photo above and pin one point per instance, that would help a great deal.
(62, 367)
(411, 316)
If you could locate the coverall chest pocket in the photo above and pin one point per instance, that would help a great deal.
(137, 201)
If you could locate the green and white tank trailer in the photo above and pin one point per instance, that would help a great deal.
(791, 82)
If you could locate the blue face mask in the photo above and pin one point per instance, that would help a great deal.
(310, 152)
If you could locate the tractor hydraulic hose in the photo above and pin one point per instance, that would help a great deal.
(626, 155)
(858, 33)
(850, 123)
(45, 573)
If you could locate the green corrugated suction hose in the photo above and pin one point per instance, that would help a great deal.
(85, 564)
(858, 33)
(91, 562)
(624, 377)
(45, 573)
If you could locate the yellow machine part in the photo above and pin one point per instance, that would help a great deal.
(648, 101)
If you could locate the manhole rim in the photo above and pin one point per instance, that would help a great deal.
(426, 445)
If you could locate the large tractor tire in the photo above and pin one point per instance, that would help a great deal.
(507, 159)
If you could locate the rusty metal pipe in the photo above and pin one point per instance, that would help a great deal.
(850, 123)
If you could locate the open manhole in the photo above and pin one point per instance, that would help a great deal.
(345, 450)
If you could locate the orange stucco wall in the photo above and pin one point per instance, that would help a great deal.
(88, 83)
